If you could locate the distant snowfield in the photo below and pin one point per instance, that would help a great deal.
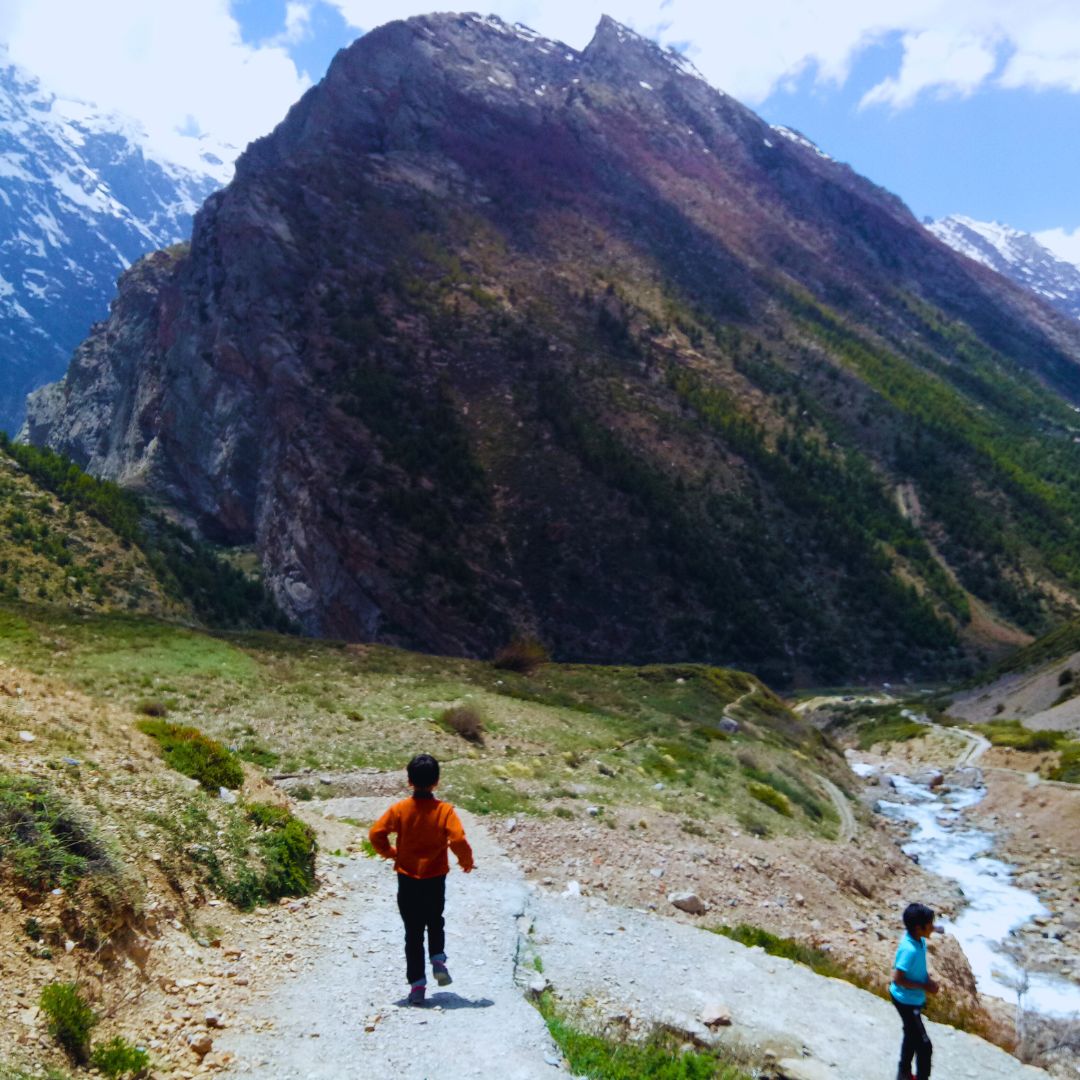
(1017, 255)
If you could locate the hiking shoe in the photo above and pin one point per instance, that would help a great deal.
(442, 976)
(416, 995)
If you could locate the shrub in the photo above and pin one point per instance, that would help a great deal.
(1068, 766)
(70, 1019)
(288, 849)
(775, 800)
(1012, 734)
(523, 655)
(152, 707)
(1065, 677)
(465, 721)
(189, 751)
(44, 843)
(119, 1058)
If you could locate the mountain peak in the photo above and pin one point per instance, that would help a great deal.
(615, 44)
(1015, 254)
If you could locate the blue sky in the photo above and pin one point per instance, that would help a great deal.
(958, 106)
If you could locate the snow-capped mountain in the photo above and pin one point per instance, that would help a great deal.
(81, 198)
(1017, 255)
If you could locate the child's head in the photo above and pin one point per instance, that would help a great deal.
(919, 920)
(424, 773)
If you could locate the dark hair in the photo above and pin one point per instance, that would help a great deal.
(917, 915)
(424, 772)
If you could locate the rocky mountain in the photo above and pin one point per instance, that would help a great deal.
(81, 198)
(491, 337)
(1017, 255)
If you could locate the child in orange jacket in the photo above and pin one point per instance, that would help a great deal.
(425, 828)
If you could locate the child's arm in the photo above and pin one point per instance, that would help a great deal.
(380, 834)
(455, 834)
(901, 979)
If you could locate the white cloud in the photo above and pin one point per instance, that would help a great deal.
(947, 62)
(1064, 244)
(748, 49)
(173, 67)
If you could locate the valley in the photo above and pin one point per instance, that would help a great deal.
(609, 788)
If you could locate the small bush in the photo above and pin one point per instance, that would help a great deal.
(152, 707)
(44, 843)
(523, 655)
(1067, 769)
(288, 849)
(189, 751)
(1065, 677)
(775, 800)
(119, 1058)
(464, 721)
(70, 1019)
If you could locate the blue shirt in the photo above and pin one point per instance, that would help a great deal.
(911, 962)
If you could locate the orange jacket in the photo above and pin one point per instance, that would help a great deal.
(425, 828)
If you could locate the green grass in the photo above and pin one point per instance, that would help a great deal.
(1012, 734)
(44, 842)
(287, 703)
(883, 724)
(788, 948)
(658, 1058)
(190, 752)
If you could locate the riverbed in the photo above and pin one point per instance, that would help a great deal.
(945, 844)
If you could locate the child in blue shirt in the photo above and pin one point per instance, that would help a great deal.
(908, 989)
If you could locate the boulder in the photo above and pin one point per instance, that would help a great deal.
(688, 902)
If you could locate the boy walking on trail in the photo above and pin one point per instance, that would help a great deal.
(908, 989)
(425, 828)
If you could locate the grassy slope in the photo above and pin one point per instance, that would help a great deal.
(77, 541)
(289, 704)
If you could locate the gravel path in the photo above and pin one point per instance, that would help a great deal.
(313, 1025)
(341, 1014)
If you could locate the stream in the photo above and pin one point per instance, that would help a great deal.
(943, 844)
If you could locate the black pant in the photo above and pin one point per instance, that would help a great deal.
(420, 901)
(916, 1042)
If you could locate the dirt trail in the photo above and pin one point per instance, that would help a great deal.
(848, 825)
(312, 1024)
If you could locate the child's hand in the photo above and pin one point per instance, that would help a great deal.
(931, 986)
(468, 869)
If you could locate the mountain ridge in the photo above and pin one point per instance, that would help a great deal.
(82, 198)
(490, 336)
(1016, 254)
